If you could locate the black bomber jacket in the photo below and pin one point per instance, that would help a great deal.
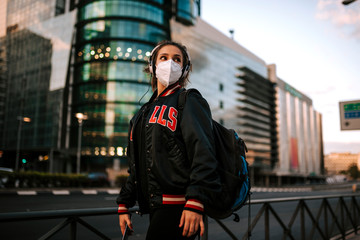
(180, 155)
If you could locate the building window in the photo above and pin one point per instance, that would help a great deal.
(221, 104)
(59, 7)
(221, 87)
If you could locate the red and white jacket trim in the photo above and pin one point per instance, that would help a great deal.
(180, 199)
(173, 199)
(194, 204)
(122, 209)
(191, 204)
(170, 91)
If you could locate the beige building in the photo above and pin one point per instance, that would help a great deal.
(336, 162)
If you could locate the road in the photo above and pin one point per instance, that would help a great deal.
(109, 225)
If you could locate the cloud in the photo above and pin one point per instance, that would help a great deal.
(345, 18)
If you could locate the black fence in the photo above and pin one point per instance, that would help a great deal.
(317, 217)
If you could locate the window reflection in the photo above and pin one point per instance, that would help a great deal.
(114, 50)
(109, 80)
(110, 8)
(110, 92)
(121, 29)
(107, 127)
(100, 71)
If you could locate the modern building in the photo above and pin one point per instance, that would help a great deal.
(113, 42)
(88, 57)
(95, 54)
(245, 94)
(234, 82)
(335, 163)
(299, 135)
(37, 46)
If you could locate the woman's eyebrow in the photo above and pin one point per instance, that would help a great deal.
(176, 55)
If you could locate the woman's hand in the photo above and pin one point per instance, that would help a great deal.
(123, 220)
(191, 222)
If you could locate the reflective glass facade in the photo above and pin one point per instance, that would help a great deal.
(113, 43)
(187, 10)
(36, 48)
(98, 72)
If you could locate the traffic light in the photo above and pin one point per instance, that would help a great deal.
(24, 161)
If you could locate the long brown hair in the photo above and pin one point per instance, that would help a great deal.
(184, 80)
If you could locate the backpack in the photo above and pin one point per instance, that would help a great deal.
(232, 168)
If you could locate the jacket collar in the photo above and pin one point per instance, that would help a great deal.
(168, 91)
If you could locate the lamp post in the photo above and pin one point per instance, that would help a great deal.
(21, 120)
(80, 117)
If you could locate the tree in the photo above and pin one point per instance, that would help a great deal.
(353, 171)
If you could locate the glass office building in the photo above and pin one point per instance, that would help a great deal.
(78, 57)
(36, 41)
(114, 39)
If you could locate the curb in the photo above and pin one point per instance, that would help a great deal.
(63, 192)
(263, 189)
(60, 192)
(115, 191)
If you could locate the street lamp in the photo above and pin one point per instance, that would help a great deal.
(21, 120)
(80, 117)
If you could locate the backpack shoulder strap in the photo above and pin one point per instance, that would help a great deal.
(182, 99)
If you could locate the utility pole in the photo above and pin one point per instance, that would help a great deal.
(20, 119)
(80, 117)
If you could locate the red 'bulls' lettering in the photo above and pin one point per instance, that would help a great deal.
(153, 118)
(170, 122)
(162, 121)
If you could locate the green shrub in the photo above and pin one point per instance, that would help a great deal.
(40, 179)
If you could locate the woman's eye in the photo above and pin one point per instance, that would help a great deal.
(177, 60)
(163, 58)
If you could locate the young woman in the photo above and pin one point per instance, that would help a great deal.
(172, 160)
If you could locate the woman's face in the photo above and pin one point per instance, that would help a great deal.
(168, 52)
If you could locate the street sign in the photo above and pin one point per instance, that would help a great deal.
(350, 115)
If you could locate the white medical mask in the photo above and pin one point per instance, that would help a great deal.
(168, 72)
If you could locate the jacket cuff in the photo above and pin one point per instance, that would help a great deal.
(194, 205)
(122, 209)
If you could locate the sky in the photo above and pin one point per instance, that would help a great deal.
(315, 45)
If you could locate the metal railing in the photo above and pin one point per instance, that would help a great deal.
(327, 223)
(72, 218)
